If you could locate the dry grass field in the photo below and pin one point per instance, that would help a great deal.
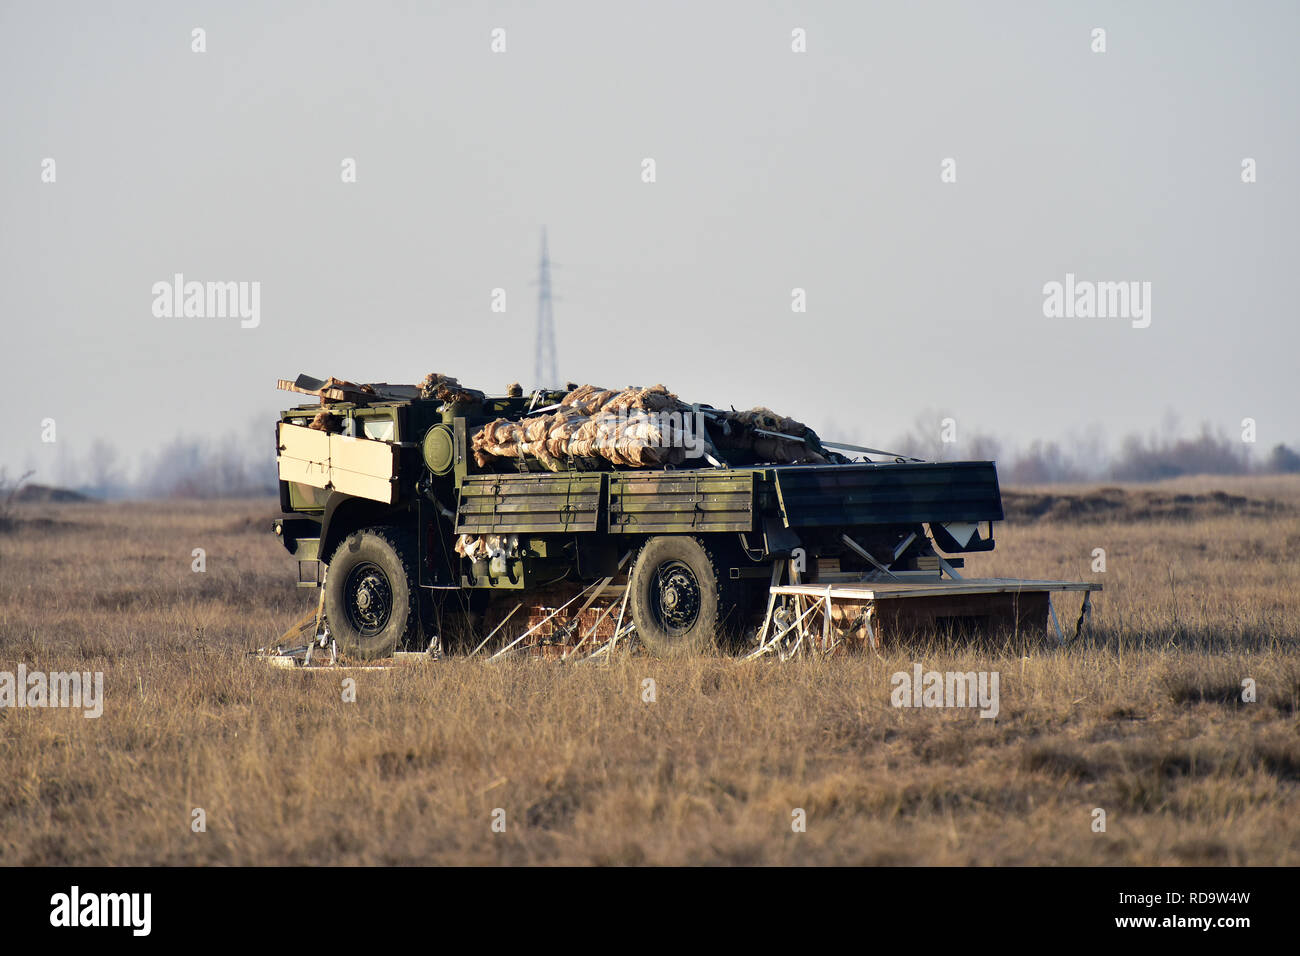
(1143, 719)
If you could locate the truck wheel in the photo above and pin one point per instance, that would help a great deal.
(370, 593)
(676, 598)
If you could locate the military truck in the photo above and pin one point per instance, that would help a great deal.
(389, 508)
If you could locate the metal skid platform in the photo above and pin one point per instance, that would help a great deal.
(825, 618)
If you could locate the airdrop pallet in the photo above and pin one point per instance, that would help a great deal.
(825, 618)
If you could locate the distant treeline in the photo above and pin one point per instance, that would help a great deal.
(1086, 458)
(185, 467)
(190, 468)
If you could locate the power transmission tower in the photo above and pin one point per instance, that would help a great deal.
(546, 372)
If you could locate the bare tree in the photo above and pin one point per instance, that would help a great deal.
(102, 466)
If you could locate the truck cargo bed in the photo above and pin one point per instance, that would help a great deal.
(689, 501)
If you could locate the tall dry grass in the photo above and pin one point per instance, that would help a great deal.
(1143, 720)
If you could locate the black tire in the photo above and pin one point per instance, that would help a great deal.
(678, 599)
(371, 593)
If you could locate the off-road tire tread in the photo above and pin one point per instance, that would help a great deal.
(726, 606)
(401, 544)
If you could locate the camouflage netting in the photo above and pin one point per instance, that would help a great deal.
(624, 427)
(474, 546)
(447, 389)
(327, 422)
(742, 432)
(638, 428)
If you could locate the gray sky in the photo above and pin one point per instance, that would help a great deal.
(775, 170)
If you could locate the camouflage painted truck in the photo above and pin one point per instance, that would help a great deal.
(397, 498)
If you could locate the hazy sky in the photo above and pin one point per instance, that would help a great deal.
(774, 170)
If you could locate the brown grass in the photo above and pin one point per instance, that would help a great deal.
(1144, 720)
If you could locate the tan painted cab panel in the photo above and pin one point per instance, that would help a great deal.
(353, 466)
